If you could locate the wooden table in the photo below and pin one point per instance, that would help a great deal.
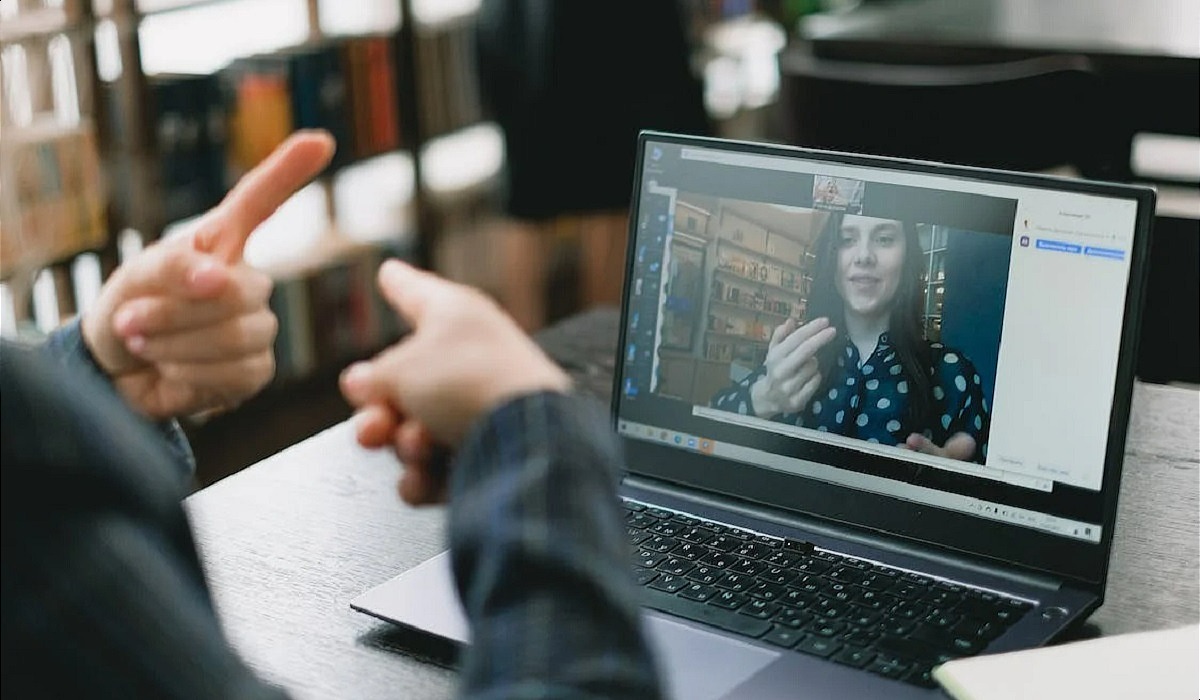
(289, 541)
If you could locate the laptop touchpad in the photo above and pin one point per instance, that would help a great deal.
(699, 665)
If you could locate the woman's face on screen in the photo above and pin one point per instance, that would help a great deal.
(870, 259)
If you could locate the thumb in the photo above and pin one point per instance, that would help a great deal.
(173, 268)
(919, 443)
(411, 292)
(782, 331)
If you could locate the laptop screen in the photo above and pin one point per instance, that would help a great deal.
(941, 339)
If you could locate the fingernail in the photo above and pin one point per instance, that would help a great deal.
(124, 321)
(136, 344)
(355, 377)
(391, 268)
(204, 275)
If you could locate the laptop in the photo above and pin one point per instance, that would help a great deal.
(873, 413)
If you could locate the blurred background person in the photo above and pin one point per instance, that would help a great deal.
(570, 85)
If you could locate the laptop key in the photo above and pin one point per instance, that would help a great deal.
(818, 646)
(783, 636)
(931, 636)
(966, 646)
(648, 560)
(903, 646)
(644, 576)
(748, 567)
(782, 558)
(660, 543)
(887, 670)
(752, 550)
(717, 559)
(696, 535)
(728, 600)
(811, 566)
(862, 618)
(707, 614)
(862, 638)
(689, 551)
(823, 627)
(797, 545)
(855, 657)
(766, 591)
(792, 618)
(777, 575)
(668, 583)
(698, 591)
(736, 582)
(922, 675)
(760, 609)
(676, 566)
(705, 574)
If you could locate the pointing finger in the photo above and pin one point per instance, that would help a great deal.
(806, 350)
(264, 189)
(412, 293)
(803, 333)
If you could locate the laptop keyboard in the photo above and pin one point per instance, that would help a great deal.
(793, 595)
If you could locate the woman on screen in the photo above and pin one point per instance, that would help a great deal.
(861, 366)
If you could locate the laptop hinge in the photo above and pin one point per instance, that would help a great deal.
(847, 533)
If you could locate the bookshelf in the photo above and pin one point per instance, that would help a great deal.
(170, 118)
(760, 279)
(933, 278)
(169, 101)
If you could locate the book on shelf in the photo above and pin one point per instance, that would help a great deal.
(382, 93)
(320, 95)
(191, 140)
(332, 313)
(260, 109)
(448, 88)
(52, 193)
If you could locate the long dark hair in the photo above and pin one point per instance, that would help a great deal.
(906, 330)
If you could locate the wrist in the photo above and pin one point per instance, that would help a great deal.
(760, 405)
(87, 344)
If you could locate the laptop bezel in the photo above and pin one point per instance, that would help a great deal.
(1085, 564)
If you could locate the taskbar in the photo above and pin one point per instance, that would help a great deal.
(1065, 527)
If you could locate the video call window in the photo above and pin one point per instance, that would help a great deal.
(877, 329)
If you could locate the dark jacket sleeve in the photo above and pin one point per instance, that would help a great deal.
(66, 345)
(541, 560)
(103, 592)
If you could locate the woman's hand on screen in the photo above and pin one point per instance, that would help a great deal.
(792, 375)
(960, 446)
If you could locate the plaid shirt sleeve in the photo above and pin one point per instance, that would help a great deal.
(540, 558)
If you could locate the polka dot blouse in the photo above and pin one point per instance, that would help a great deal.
(868, 399)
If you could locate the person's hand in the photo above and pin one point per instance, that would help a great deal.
(464, 358)
(185, 326)
(960, 446)
(792, 375)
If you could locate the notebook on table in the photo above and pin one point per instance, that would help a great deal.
(873, 414)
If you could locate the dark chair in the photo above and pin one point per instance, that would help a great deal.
(1031, 115)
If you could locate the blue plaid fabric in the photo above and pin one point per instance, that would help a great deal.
(104, 595)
